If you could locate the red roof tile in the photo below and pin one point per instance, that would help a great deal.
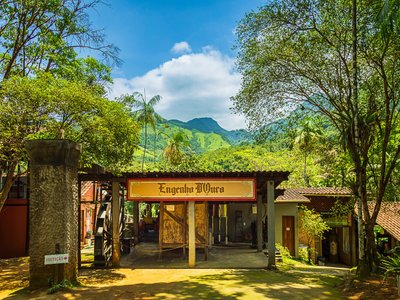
(324, 191)
(388, 217)
(290, 195)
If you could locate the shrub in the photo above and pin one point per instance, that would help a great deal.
(391, 265)
(284, 251)
(303, 254)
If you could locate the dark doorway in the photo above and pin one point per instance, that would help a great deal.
(238, 226)
(288, 233)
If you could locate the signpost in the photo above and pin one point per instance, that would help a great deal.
(55, 259)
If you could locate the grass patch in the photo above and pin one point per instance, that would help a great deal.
(62, 285)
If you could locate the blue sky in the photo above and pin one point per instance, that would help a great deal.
(181, 50)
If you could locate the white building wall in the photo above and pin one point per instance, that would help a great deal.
(286, 209)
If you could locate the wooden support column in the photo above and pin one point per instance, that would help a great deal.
(259, 224)
(226, 223)
(271, 223)
(136, 221)
(115, 207)
(219, 222)
(192, 234)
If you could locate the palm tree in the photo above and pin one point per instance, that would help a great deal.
(144, 113)
(174, 152)
(306, 138)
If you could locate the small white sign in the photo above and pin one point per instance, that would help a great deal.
(55, 259)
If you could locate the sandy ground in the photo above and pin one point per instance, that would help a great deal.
(131, 283)
(224, 275)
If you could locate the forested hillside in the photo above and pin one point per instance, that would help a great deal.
(301, 143)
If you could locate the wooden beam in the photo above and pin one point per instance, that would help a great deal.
(192, 234)
(115, 207)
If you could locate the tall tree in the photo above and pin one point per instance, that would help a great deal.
(307, 136)
(296, 51)
(144, 113)
(43, 36)
(48, 107)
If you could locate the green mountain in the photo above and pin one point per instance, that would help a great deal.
(204, 135)
(209, 125)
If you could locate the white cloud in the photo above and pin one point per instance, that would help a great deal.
(191, 86)
(181, 48)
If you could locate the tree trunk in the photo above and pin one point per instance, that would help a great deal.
(305, 177)
(155, 141)
(371, 253)
(145, 146)
(362, 268)
(8, 184)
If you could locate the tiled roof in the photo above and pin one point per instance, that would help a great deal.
(324, 191)
(290, 195)
(388, 217)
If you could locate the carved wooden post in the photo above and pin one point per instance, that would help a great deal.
(53, 209)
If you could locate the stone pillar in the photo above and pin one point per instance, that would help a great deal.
(271, 223)
(53, 209)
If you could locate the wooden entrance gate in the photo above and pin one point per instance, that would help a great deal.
(174, 226)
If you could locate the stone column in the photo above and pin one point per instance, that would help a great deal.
(53, 209)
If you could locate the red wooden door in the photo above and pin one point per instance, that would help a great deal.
(288, 233)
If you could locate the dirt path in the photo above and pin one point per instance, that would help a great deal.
(129, 283)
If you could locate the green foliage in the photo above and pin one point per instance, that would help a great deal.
(110, 137)
(293, 52)
(313, 227)
(176, 149)
(62, 285)
(42, 35)
(312, 224)
(38, 38)
(342, 209)
(49, 107)
(303, 254)
(284, 251)
(144, 113)
(391, 265)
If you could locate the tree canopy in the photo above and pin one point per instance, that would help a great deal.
(49, 107)
(48, 90)
(293, 52)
